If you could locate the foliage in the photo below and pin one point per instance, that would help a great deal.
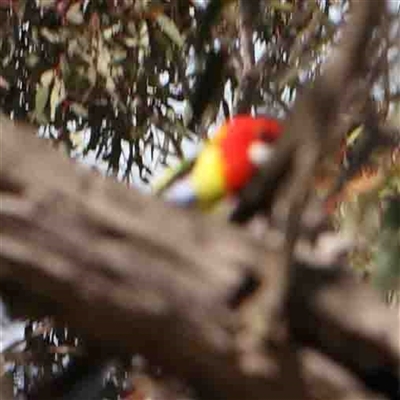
(112, 68)
(120, 73)
(373, 218)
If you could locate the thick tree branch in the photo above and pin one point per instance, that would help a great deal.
(133, 274)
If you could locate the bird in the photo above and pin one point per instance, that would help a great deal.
(225, 165)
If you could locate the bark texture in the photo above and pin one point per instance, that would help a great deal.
(134, 274)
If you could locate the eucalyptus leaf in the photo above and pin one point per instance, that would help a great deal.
(41, 99)
(170, 29)
(50, 36)
(46, 3)
(47, 77)
(74, 14)
(56, 98)
(79, 110)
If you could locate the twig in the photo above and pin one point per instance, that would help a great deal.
(248, 15)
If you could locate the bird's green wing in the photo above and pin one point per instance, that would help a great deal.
(171, 175)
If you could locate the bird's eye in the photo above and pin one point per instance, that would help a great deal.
(263, 136)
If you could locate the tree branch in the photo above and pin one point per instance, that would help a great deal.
(133, 274)
(248, 15)
(313, 125)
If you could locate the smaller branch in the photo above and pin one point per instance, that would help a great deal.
(248, 14)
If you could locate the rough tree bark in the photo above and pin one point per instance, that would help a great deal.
(134, 274)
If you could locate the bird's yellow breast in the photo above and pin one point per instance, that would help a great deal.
(208, 177)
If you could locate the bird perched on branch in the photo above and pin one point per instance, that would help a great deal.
(225, 165)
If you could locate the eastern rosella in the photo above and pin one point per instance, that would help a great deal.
(226, 163)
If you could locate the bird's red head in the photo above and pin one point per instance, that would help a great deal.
(246, 142)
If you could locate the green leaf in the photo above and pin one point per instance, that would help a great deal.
(354, 135)
(130, 42)
(79, 110)
(77, 140)
(113, 30)
(46, 3)
(103, 60)
(170, 29)
(51, 36)
(391, 216)
(47, 77)
(144, 39)
(32, 60)
(74, 14)
(386, 259)
(56, 98)
(41, 98)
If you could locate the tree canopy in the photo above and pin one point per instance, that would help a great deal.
(122, 73)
